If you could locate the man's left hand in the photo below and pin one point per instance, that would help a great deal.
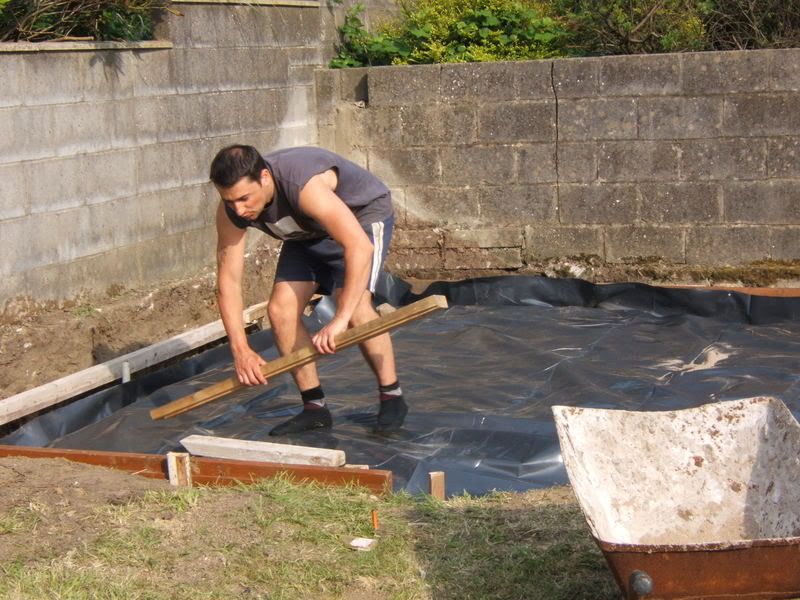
(324, 340)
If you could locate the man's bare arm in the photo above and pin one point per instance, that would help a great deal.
(230, 267)
(319, 201)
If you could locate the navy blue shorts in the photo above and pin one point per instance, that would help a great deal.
(322, 261)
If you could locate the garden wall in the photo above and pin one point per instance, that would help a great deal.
(104, 151)
(691, 159)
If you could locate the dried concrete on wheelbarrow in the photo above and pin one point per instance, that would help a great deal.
(723, 472)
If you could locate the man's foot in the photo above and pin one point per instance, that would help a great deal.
(391, 414)
(319, 418)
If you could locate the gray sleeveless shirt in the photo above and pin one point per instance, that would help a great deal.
(361, 191)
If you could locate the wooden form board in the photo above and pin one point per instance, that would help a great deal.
(49, 394)
(288, 454)
(352, 336)
(212, 471)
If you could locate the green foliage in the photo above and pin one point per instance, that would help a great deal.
(453, 31)
(634, 26)
(743, 24)
(102, 20)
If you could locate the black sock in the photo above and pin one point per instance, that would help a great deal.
(390, 392)
(313, 399)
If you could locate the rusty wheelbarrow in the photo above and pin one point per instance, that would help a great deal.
(695, 503)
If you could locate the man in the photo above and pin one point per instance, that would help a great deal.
(335, 220)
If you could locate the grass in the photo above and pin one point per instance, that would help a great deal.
(283, 541)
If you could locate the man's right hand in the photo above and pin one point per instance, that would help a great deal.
(248, 367)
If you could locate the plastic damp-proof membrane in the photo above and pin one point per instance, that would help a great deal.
(479, 377)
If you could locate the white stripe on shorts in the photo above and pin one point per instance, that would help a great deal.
(377, 251)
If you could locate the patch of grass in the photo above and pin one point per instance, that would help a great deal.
(283, 541)
(21, 519)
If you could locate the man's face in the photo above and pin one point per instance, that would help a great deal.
(248, 198)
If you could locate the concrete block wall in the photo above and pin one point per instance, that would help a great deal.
(104, 154)
(693, 159)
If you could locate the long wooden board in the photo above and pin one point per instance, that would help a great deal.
(212, 471)
(353, 336)
(49, 394)
(288, 454)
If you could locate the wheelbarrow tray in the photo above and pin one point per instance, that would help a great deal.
(705, 501)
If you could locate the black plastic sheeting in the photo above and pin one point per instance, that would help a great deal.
(480, 378)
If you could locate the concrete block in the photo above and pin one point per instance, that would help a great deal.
(785, 70)
(477, 165)
(399, 203)
(148, 119)
(597, 119)
(14, 194)
(482, 258)
(518, 204)
(536, 163)
(301, 75)
(156, 168)
(784, 157)
(725, 72)
(13, 78)
(428, 206)
(762, 115)
(353, 85)
(123, 125)
(599, 203)
(306, 55)
(630, 243)
(724, 158)
(296, 26)
(640, 75)
(155, 72)
(726, 245)
(246, 68)
(755, 202)
(554, 242)
(53, 78)
(108, 75)
(326, 84)
(206, 26)
(476, 82)
(83, 127)
(511, 237)
(415, 238)
(437, 124)
(577, 162)
(397, 86)
(403, 166)
(26, 133)
(174, 28)
(517, 121)
(109, 175)
(414, 260)
(638, 161)
(576, 77)
(785, 243)
(680, 118)
(199, 69)
(664, 203)
(226, 112)
(57, 184)
(267, 109)
(378, 126)
(186, 117)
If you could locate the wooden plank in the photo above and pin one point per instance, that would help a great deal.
(436, 484)
(179, 469)
(212, 471)
(49, 394)
(219, 447)
(352, 336)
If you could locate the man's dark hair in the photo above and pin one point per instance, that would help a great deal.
(234, 162)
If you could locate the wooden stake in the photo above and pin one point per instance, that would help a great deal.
(375, 523)
(352, 336)
(436, 484)
(179, 467)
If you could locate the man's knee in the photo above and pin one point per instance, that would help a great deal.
(281, 311)
(364, 312)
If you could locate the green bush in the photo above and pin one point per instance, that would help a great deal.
(634, 26)
(453, 31)
(42, 20)
(743, 24)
